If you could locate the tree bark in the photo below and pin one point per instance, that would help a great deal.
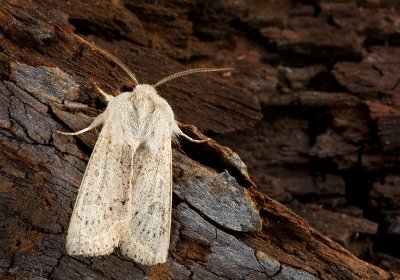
(223, 226)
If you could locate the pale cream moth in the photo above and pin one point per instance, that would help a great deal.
(125, 197)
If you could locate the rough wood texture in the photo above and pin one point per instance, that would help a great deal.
(315, 71)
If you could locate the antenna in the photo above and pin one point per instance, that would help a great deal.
(188, 72)
(112, 57)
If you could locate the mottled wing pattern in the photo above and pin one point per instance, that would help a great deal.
(126, 193)
(147, 239)
(101, 211)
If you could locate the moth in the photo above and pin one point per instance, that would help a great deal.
(125, 198)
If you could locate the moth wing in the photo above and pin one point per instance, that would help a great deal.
(148, 236)
(100, 215)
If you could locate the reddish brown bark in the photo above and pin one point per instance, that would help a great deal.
(312, 109)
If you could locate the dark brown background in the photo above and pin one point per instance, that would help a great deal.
(312, 108)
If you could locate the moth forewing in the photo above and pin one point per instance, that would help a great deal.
(100, 211)
(147, 239)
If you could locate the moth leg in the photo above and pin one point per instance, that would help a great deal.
(177, 131)
(108, 97)
(97, 121)
(191, 139)
(194, 140)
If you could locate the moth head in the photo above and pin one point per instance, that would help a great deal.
(144, 88)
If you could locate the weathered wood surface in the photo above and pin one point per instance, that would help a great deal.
(318, 107)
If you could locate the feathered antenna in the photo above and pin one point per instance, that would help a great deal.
(112, 57)
(188, 72)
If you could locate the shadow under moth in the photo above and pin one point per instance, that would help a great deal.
(125, 197)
